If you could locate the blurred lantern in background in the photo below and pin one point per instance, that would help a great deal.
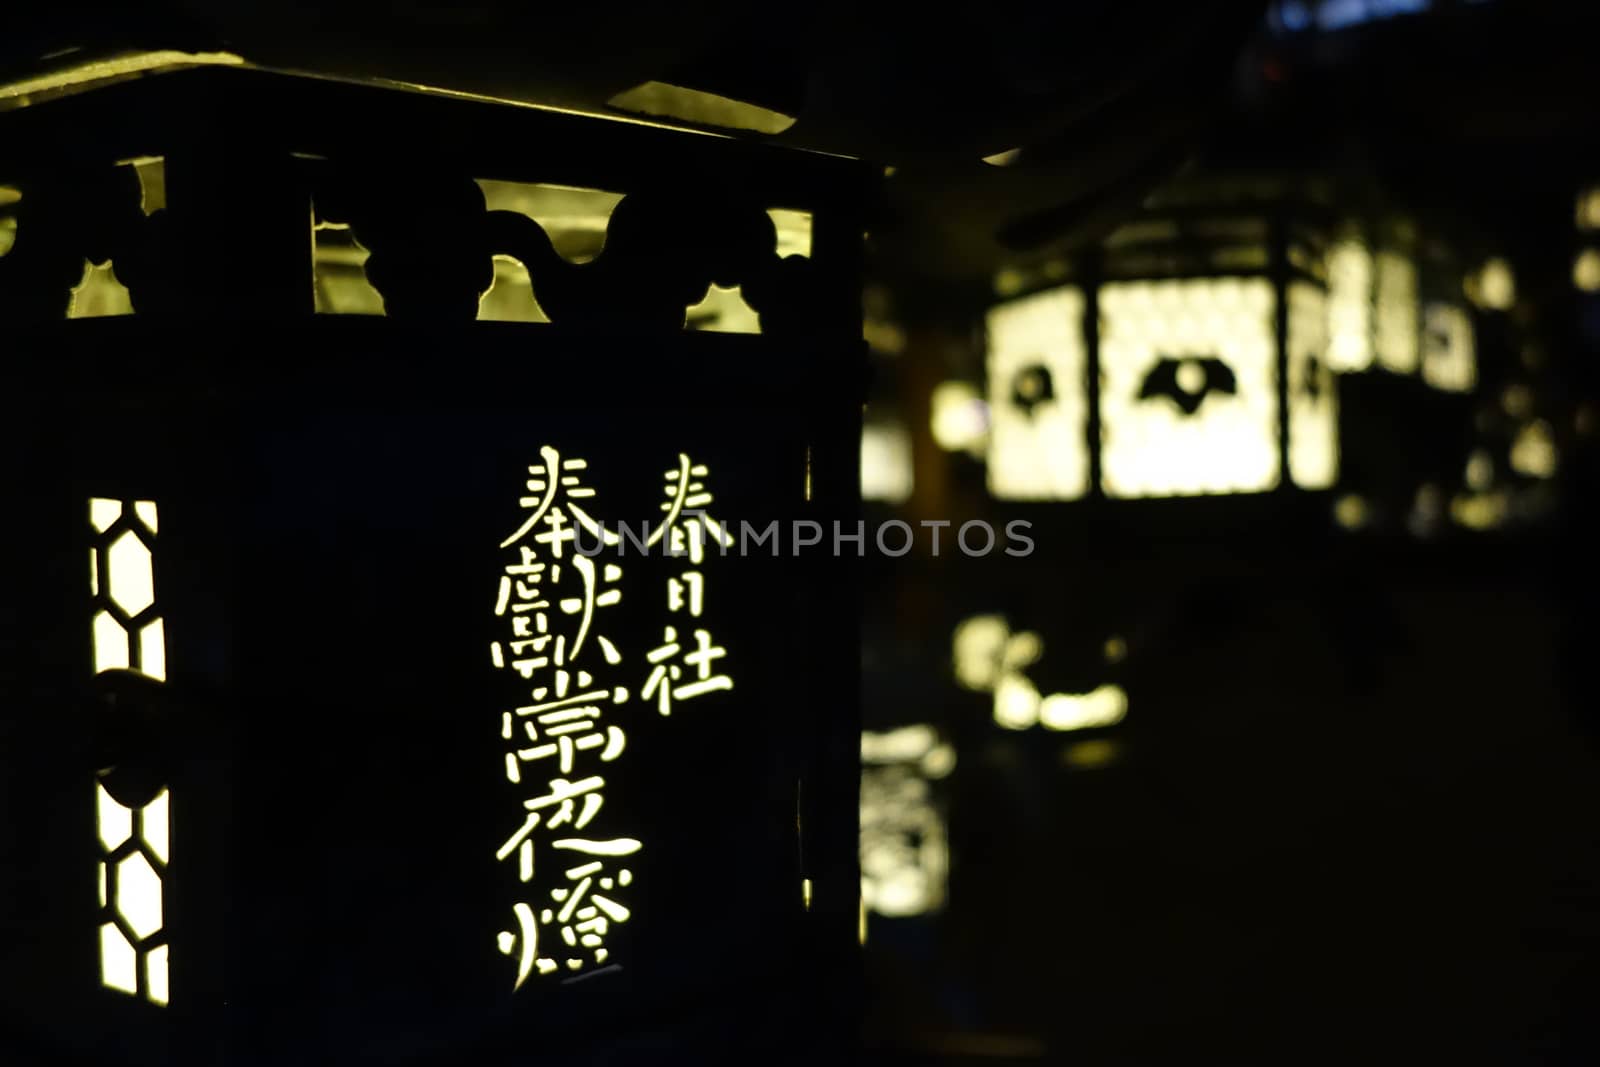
(1188, 357)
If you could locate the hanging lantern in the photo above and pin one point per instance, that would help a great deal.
(398, 685)
(1201, 371)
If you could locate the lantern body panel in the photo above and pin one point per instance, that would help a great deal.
(345, 516)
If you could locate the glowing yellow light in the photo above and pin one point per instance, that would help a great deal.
(1494, 287)
(1395, 333)
(1588, 209)
(1518, 401)
(959, 421)
(18, 93)
(1161, 439)
(116, 821)
(794, 231)
(1586, 270)
(1350, 511)
(904, 857)
(861, 920)
(1313, 400)
(1016, 702)
(8, 233)
(110, 643)
(1088, 755)
(1479, 511)
(119, 963)
(1003, 159)
(99, 294)
(139, 895)
(805, 893)
(135, 891)
(886, 463)
(664, 100)
(1533, 452)
(1480, 471)
(156, 824)
(102, 513)
(1104, 706)
(1349, 306)
(1116, 649)
(979, 645)
(1449, 349)
(1038, 399)
(156, 974)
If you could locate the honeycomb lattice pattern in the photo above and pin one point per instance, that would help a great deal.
(134, 842)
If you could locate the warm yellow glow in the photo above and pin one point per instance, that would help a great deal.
(1038, 400)
(1586, 270)
(9, 194)
(135, 888)
(1349, 306)
(8, 232)
(116, 821)
(156, 974)
(153, 651)
(1003, 159)
(1449, 349)
(861, 920)
(1494, 286)
(723, 311)
(1395, 333)
(1016, 702)
(1116, 649)
(156, 824)
(1104, 706)
(985, 650)
(805, 893)
(1350, 511)
(1479, 511)
(794, 231)
(99, 294)
(1533, 452)
(110, 644)
(1313, 399)
(19, 93)
(1480, 471)
(959, 421)
(119, 963)
(1588, 209)
(886, 463)
(1161, 439)
(139, 895)
(664, 100)
(904, 856)
(1087, 755)
(132, 584)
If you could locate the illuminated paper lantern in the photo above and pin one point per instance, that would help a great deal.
(323, 729)
(1203, 370)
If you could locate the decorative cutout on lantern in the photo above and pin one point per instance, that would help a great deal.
(1350, 305)
(554, 604)
(1395, 333)
(538, 252)
(1313, 400)
(904, 847)
(886, 466)
(128, 634)
(1188, 396)
(1449, 350)
(1038, 400)
(990, 658)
